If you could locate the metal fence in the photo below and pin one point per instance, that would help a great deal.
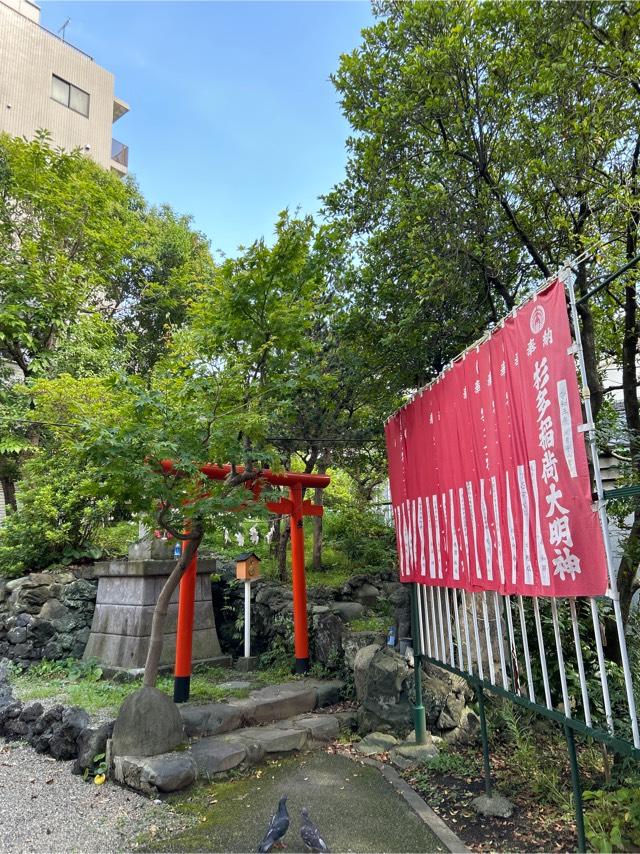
(546, 654)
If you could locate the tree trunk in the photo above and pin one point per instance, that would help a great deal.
(9, 491)
(282, 548)
(156, 641)
(318, 499)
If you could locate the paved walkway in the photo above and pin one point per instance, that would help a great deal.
(356, 809)
(44, 807)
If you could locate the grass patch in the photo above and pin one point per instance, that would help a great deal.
(374, 623)
(77, 683)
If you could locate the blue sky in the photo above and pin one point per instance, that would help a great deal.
(233, 117)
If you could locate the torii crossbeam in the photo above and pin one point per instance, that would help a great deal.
(296, 508)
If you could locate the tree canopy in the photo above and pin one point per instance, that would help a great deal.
(491, 143)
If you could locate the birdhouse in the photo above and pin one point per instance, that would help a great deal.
(247, 566)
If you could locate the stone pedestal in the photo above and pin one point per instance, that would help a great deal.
(127, 594)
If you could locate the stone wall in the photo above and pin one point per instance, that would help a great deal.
(61, 731)
(45, 615)
(330, 613)
(49, 614)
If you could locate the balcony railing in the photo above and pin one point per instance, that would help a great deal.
(120, 152)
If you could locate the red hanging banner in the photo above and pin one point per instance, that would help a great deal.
(488, 469)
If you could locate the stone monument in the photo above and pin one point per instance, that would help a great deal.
(126, 597)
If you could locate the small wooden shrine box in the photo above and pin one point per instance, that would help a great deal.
(247, 566)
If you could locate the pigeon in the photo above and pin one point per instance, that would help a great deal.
(278, 826)
(310, 834)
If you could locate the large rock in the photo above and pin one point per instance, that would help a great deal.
(17, 635)
(31, 599)
(348, 611)
(451, 715)
(6, 693)
(148, 723)
(43, 728)
(399, 596)
(366, 594)
(78, 592)
(209, 718)
(415, 754)
(319, 727)
(444, 697)
(217, 754)
(39, 579)
(382, 682)
(329, 691)
(493, 806)
(41, 631)
(276, 702)
(376, 742)
(353, 642)
(53, 609)
(361, 666)
(467, 731)
(31, 712)
(328, 629)
(365, 589)
(91, 743)
(275, 739)
(168, 772)
(64, 737)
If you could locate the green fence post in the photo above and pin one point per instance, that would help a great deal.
(577, 789)
(485, 740)
(418, 709)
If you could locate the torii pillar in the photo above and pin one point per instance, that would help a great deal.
(296, 508)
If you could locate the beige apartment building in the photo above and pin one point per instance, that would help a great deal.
(47, 83)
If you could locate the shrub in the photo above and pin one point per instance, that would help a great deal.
(362, 536)
(56, 519)
(612, 819)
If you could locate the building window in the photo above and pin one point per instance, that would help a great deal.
(69, 95)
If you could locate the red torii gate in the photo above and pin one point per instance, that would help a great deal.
(295, 507)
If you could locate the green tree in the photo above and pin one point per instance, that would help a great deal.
(168, 267)
(255, 325)
(91, 281)
(60, 504)
(492, 142)
(67, 228)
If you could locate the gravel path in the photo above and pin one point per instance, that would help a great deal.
(44, 808)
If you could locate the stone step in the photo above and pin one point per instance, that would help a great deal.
(250, 745)
(263, 706)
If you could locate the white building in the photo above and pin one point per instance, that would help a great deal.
(48, 84)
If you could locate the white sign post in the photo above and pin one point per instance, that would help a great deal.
(247, 618)
(247, 570)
